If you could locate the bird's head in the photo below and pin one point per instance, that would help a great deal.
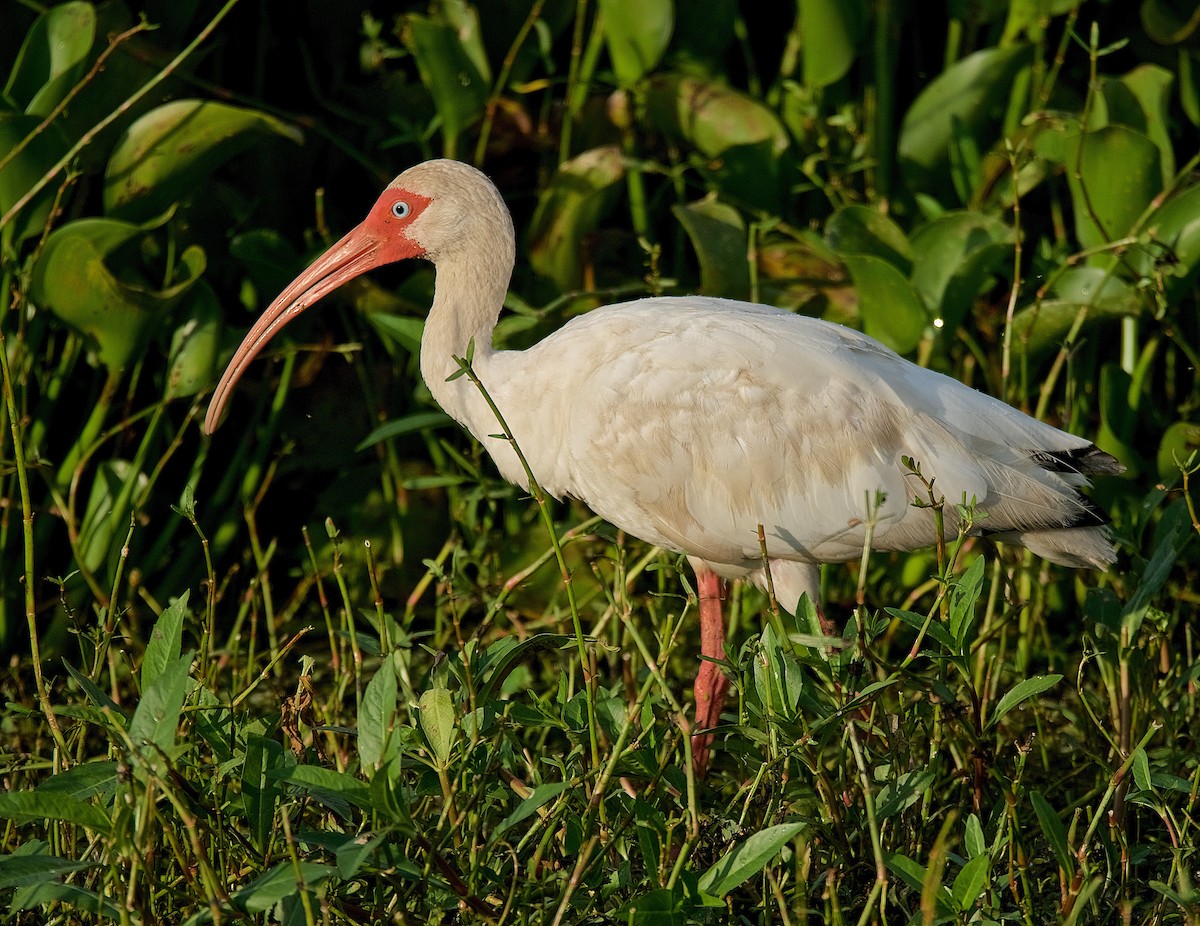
(425, 212)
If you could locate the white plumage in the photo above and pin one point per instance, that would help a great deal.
(690, 421)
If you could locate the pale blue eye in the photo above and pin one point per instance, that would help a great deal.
(401, 209)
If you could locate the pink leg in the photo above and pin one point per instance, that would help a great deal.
(711, 684)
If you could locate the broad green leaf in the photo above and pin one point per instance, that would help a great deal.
(284, 880)
(51, 58)
(963, 597)
(418, 421)
(1179, 441)
(21, 173)
(747, 858)
(890, 308)
(377, 716)
(971, 92)
(91, 779)
(935, 630)
(166, 641)
(969, 882)
(1019, 694)
(112, 305)
(862, 230)
(1120, 173)
(71, 896)
(501, 666)
(1055, 832)
(25, 870)
(192, 360)
(402, 331)
(1042, 327)
(1141, 770)
(264, 760)
(165, 156)
(1148, 86)
(38, 806)
(439, 723)
(448, 72)
(538, 798)
(1175, 245)
(914, 875)
(1170, 534)
(832, 30)
(318, 778)
(637, 33)
(974, 840)
(718, 235)
(954, 258)
(568, 210)
(898, 795)
(155, 722)
(740, 141)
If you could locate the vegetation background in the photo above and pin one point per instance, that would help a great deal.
(322, 667)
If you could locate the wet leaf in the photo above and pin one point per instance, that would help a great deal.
(112, 306)
(570, 208)
(890, 308)
(166, 154)
(969, 93)
(637, 33)
(832, 31)
(51, 57)
(718, 234)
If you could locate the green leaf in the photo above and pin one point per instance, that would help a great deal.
(165, 156)
(39, 806)
(500, 666)
(106, 518)
(954, 258)
(1042, 327)
(376, 717)
(832, 31)
(863, 230)
(963, 597)
(898, 795)
(282, 881)
(890, 309)
(974, 840)
(156, 720)
(195, 344)
(318, 778)
(1179, 441)
(1020, 693)
(419, 421)
(747, 858)
(26, 870)
(969, 93)
(1149, 88)
(1141, 770)
(51, 58)
(166, 641)
(538, 798)
(1055, 832)
(98, 778)
(1120, 173)
(69, 895)
(718, 235)
(637, 33)
(21, 173)
(449, 73)
(570, 208)
(261, 768)
(970, 881)
(439, 723)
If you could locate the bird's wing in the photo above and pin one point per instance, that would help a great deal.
(689, 423)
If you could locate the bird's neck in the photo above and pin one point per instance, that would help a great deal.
(467, 300)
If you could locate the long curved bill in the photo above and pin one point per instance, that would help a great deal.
(359, 251)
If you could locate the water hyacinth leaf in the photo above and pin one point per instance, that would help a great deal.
(1174, 248)
(954, 258)
(1148, 88)
(863, 230)
(51, 57)
(195, 344)
(890, 309)
(569, 209)
(1042, 327)
(1120, 173)
(21, 173)
(166, 154)
(740, 142)
(747, 859)
(458, 89)
(718, 235)
(438, 723)
(166, 641)
(1019, 694)
(832, 30)
(1166, 22)
(1179, 442)
(110, 305)
(970, 93)
(637, 33)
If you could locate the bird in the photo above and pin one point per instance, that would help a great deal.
(755, 441)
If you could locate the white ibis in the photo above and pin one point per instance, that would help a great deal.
(690, 421)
